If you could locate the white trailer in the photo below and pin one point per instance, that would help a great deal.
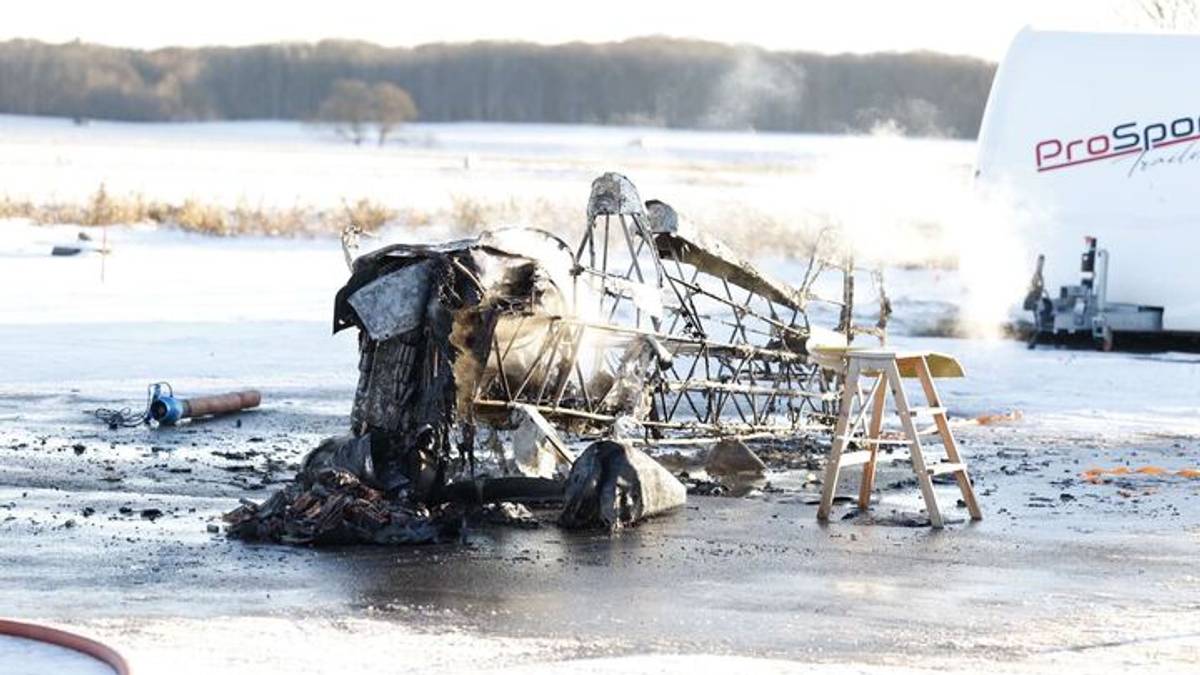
(1098, 135)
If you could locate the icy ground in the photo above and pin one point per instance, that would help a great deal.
(109, 531)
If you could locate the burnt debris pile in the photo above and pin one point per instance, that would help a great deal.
(337, 508)
(486, 364)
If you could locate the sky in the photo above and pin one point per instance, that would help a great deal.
(980, 28)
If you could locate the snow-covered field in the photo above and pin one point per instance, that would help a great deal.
(896, 200)
(282, 163)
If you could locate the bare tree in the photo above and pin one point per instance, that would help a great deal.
(392, 108)
(1171, 14)
(353, 106)
(348, 108)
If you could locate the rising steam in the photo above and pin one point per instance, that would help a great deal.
(756, 92)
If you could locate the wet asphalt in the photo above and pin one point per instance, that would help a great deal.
(112, 531)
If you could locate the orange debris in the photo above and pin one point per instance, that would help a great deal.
(1000, 418)
(1097, 475)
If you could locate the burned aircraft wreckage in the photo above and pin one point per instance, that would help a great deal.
(647, 333)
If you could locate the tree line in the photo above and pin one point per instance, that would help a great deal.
(653, 80)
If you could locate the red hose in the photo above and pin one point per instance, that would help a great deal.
(99, 651)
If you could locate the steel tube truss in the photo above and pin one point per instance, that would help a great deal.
(671, 330)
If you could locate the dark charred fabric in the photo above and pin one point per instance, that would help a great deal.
(407, 437)
(407, 395)
(337, 508)
(337, 499)
(406, 389)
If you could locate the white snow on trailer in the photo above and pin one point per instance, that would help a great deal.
(1099, 135)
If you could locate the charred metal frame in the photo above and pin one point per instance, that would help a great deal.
(705, 344)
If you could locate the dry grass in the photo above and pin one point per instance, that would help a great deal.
(472, 214)
(756, 233)
(368, 216)
(468, 213)
(751, 232)
(196, 217)
(103, 208)
(99, 209)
